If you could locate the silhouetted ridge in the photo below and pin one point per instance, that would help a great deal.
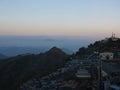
(16, 70)
(55, 51)
(2, 56)
(106, 45)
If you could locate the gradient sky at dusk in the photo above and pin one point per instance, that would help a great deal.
(91, 18)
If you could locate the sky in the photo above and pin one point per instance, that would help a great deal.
(83, 18)
(68, 24)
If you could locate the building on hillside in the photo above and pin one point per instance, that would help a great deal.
(114, 38)
(83, 73)
(106, 56)
(114, 87)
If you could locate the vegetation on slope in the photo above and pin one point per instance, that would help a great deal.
(19, 69)
(100, 46)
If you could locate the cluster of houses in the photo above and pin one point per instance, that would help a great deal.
(108, 70)
(81, 69)
(106, 56)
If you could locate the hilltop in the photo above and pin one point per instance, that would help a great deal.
(19, 69)
(106, 45)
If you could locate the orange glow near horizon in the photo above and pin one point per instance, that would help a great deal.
(59, 18)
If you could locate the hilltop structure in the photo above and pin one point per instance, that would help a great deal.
(106, 56)
(114, 38)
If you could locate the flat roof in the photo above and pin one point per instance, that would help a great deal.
(83, 76)
(110, 67)
(115, 87)
(83, 73)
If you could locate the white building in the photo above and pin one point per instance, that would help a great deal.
(106, 56)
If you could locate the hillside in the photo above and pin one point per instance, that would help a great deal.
(19, 69)
(2, 56)
(106, 45)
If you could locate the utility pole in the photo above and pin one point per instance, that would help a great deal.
(99, 73)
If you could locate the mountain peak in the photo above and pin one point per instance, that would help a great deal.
(54, 47)
(56, 50)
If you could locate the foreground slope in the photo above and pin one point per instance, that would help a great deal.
(19, 69)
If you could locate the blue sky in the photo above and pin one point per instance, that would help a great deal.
(84, 18)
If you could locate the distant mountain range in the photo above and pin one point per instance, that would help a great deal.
(13, 51)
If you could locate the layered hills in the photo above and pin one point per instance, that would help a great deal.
(16, 70)
(19, 69)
